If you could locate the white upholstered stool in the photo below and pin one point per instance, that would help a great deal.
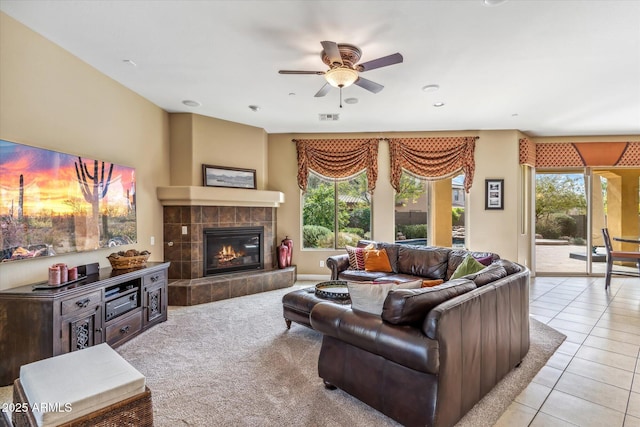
(94, 386)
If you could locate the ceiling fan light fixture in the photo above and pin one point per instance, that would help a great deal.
(341, 76)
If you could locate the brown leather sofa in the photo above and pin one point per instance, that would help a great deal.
(434, 352)
(408, 263)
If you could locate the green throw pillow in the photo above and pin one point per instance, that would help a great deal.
(469, 266)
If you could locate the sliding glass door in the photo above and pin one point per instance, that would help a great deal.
(571, 209)
(561, 240)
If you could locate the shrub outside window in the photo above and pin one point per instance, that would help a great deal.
(331, 208)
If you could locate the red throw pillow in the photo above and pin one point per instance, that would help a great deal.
(356, 256)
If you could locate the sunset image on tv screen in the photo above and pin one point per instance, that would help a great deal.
(53, 203)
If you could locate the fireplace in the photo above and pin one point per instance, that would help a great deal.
(232, 249)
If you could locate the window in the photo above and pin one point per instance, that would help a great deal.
(412, 210)
(333, 208)
(458, 234)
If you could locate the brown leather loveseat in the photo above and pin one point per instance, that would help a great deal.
(434, 352)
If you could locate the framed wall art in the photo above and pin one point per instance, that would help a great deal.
(54, 203)
(221, 176)
(494, 194)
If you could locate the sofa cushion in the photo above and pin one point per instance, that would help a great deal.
(468, 266)
(456, 256)
(377, 260)
(392, 253)
(510, 266)
(424, 261)
(487, 275)
(410, 306)
(362, 275)
(370, 296)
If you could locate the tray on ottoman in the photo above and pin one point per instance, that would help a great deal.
(333, 289)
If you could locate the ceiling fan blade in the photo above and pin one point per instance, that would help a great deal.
(369, 85)
(396, 58)
(323, 90)
(318, 73)
(332, 51)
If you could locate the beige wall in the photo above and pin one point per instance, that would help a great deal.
(52, 100)
(198, 140)
(223, 143)
(181, 148)
(497, 157)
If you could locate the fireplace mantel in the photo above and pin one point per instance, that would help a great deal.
(218, 196)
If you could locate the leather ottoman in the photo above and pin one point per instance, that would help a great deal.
(297, 305)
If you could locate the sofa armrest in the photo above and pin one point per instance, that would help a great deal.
(482, 335)
(404, 345)
(337, 264)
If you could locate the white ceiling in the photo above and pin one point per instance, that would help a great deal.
(548, 68)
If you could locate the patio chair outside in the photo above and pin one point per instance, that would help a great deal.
(627, 256)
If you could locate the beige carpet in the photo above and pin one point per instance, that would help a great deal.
(233, 362)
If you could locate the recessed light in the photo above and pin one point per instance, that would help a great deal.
(430, 88)
(514, 115)
(351, 101)
(191, 103)
(493, 3)
(438, 104)
(130, 62)
(254, 108)
(292, 94)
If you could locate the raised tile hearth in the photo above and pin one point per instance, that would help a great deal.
(228, 285)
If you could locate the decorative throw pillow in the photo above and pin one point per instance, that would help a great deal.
(370, 296)
(431, 283)
(468, 266)
(485, 260)
(377, 260)
(356, 256)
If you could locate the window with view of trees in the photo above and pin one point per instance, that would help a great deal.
(412, 209)
(335, 213)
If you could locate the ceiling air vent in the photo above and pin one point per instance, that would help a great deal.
(329, 117)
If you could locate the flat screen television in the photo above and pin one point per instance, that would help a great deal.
(55, 203)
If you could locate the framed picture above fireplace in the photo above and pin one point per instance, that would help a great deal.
(54, 203)
(221, 176)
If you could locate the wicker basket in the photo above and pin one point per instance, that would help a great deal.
(124, 262)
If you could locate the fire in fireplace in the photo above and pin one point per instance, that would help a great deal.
(233, 249)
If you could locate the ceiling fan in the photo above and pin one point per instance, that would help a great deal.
(344, 70)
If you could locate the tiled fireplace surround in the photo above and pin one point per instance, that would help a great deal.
(187, 286)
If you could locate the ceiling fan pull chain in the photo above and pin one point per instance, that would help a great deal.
(340, 96)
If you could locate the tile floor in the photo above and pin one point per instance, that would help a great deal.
(593, 379)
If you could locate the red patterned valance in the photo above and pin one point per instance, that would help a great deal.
(527, 152)
(433, 158)
(337, 158)
(579, 154)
